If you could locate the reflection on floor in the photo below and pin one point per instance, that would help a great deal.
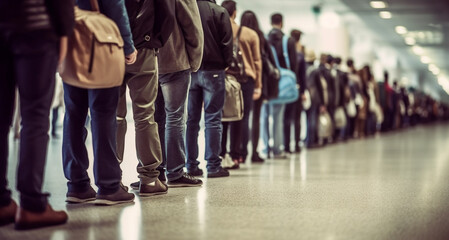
(393, 186)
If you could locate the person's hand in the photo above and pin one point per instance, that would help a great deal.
(62, 49)
(323, 109)
(257, 93)
(131, 58)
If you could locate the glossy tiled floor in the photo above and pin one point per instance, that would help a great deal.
(394, 186)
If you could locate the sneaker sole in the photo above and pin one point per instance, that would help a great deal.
(152, 194)
(104, 202)
(218, 176)
(183, 185)
(78, 200)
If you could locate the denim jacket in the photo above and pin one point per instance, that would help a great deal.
(115, 10)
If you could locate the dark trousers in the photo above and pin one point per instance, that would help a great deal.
(239, 130)
(255, 128)
(292, 118)
(29, 62)
(102, 104)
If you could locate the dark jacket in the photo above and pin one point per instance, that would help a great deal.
(275, 38)
(115, 10)
(184, 48)
(326, 73)
(217, 53)
(26, 15)
(301, 72)
(314, 85)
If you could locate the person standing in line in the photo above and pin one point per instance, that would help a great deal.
(208, 88)
(180, 57)
(277, 110)
(102, 104)
(249, 20)
(292, 116)
(33, 37)
(142, 81)
(251, 85)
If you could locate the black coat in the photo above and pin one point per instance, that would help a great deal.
(25, 15)
(218, 38)
(275, 38)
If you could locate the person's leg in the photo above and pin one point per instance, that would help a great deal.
(54, 120)
(194, 109)
(122, 125)
(289, 115)
(265, 127)
(175, 89)
(103, 111)
(214, 96)
(160, 118)
(74, 152)
(255, 127)
(224, 138)
(7, 97)
(277, 115)
(35, 69)
(248, 91)
(143, 88)
(297, 124)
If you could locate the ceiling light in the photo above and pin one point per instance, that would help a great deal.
(418, 50)
(378, 4)
(410, 41)
(434, 69)
(401, 29)
(385, 14)
(425, 60)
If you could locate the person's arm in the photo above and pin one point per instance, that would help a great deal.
(116, 10)
(189, 19)
(292, 55)
(301, 74)
(62, 17)
(226, 36)
(255, 50)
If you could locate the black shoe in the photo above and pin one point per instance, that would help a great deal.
(185, 181)
(257, 159)
(135, 185)
(221, 173)
(121, 196)
(152, 189)
(81, 197)
(198, 172)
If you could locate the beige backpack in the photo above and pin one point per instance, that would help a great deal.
(95, 56)
(233, 105)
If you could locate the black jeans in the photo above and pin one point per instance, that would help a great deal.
(239, 130)
(255, 128)
(28, 61)
(292, 117)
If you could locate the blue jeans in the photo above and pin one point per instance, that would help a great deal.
(102, 104)
(276, 111)
(28, 61)
(171, 118)
(207, 87)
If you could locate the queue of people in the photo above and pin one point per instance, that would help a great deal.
(171, 83)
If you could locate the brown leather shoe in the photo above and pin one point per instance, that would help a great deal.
(29, 220)
(7, 213)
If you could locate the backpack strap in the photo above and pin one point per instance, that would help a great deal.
(285, 50)
(275, 56)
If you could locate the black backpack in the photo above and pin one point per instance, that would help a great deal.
(152, 21)
(237, 67)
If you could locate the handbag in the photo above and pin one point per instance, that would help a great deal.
(95, 57)
(340, 118)
(307, 103)
(325, 128)
(351, 109)
(233, 105)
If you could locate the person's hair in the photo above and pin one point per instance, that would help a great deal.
(337, 60)
(350, 63)
(329, 59)
(386, 75)
(230, 6)
(296, 35)
(249, 20)
(276, 18)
